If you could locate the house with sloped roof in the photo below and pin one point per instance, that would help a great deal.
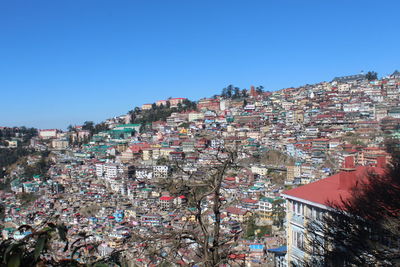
(310, 202)
(166, 202)
(237, 214)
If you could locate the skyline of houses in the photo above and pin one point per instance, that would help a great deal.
(288, 143)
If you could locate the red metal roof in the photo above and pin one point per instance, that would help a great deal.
(248, 200)
(333, 188)
(166, 198)
(236, 211)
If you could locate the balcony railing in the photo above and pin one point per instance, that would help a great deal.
(298, 253)
(298, 219)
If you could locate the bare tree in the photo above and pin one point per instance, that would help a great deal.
(202, 240)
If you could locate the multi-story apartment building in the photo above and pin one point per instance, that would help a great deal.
(293, 171)
(217, 143)
(264, 209)
(111, 171)
(310, 202)
(100, 170)
(166, 202)
(161, 171)
(108, 171)
(144, 172)
(48, 133)
(260, 170)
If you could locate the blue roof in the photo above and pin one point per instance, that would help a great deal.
(280, 250)
(256, 247)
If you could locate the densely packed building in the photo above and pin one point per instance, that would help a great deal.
(110, 186)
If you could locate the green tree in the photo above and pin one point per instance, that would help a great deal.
(37, 249)
(236, 92)
(89, 126)
(229, 91)
(142, 128)
(371, 76)
(278, 212)
(100, 127)
(256, 231)
(224, 93)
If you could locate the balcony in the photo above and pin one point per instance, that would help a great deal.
(298, 253)
(297, 219)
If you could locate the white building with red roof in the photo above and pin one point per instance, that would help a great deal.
(166, 202)
(311, 201)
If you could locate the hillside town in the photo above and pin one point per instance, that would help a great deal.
(130, 182)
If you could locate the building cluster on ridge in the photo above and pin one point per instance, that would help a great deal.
(108, 186)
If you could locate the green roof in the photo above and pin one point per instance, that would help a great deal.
(125, 130)
(255, 188)
(270, 200)
(128, 125)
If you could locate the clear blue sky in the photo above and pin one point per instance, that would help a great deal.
(64, 62)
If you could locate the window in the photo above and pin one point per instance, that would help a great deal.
(316, 213)
(298, 239)
(319, 214)
(298, 209)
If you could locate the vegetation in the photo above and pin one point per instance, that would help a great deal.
(371, 76)
(10, 156)
(91, 210)
(138, 116)
(25, 134)
(88, 126)
(260, 89)
(39, 168)
(278, 212)
(159, 113)
(91, 127)
(27, 198)
(276, 158)
(232, 92)
(255, 231)
(205, 238)
(38, 248)
(41, 246)
(17, 155)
